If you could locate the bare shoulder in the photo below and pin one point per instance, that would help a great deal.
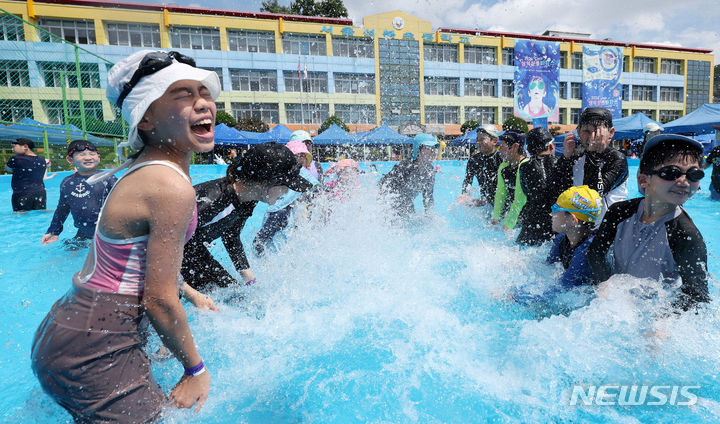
(163, 187)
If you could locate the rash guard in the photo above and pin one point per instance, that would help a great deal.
(485, 170)
(83, 201)
(509, 196)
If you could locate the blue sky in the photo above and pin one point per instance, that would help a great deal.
(687, 23)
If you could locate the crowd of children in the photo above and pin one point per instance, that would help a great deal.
(577, 201)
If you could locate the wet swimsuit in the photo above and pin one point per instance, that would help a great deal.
(83, 201)
(220, 215)
(671, 248)
(404, 182)
(27, 182)
(87, 353)
(536, 221)
(485, 169)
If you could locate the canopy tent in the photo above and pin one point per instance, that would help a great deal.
(699, 121)
(279, 133)
(334, 135)
(631, 127)
(228, 136)
(253, 137)
(384, 135)
(466, 139)
(56, 134)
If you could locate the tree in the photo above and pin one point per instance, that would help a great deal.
(469, 126)
(304, 7)
(555, 130)
(249, 123)
(272, 6)
(223, 117)
(331, 9)
(333, 120)
(515, 123)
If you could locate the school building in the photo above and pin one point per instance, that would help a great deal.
(395, 69)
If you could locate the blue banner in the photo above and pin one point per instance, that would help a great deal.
(602, 69)
(537, 68)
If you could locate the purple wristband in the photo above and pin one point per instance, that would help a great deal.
(197, 369)
(251, 282)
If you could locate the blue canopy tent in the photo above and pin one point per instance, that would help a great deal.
(466, 139)
(279, 133)
(56, 134)
(700, 121)
(334, 135)
(631, 127)
(228, 136)
(253, 137)
(384, 135)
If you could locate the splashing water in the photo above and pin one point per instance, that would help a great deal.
(355, 319)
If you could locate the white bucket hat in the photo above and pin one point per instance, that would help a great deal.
(152, 84)
(651, 126)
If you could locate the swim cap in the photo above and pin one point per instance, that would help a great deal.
(152, 83)
(584, 199)
(297, 146)
(300, 135)
(347, 163)
(489, 129)
(424, 139)
(270, 163)
(596, 116)
(511, 137)
(538, 140)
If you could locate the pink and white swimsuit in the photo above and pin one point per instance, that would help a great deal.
(119, 264)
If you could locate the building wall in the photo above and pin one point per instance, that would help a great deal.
(400, 92)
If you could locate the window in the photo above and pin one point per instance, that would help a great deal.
(356, 114)
(57, 74)
(562, 116)
(576, 90)
(304, 44)
(484, 115)
(480, 54)
(354, 83)
(563, 59)
(310, 113)
(626, 63)
(135, 35)
(220, 106)
(441, 114)
(266, 112)
(671, 66)
(353, 47)
(507, 112)
(197, 38)
(77, 31)
(55, 115)
(508, 88)
(563, 89)
(647, 112)
(575, 116)
(316, 82)
(644, 64)
(253, 80)
(508, 56)
(14, 73)
(643, 93)
(670, 94)
(669, 115)
(480, 87)
(626, 92)
(11, 29)
(576, 61)
(251, 41)
(442, 86)
(15, 110)
(219, 73)
(440, 52)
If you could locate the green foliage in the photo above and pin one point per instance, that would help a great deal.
(252, 124)
(331, 9)
(272, 6)
(223, 117)
(333, 120)
(303, 7)
(555, 130)
(469, 126)
(515, 123)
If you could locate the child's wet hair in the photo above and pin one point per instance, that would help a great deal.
(668, 151)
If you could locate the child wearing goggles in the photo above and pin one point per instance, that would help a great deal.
(653, 236)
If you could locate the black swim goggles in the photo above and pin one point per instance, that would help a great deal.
(81, 147)
(151, 63)
(672, 173)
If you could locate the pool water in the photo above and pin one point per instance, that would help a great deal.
(356, 320)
